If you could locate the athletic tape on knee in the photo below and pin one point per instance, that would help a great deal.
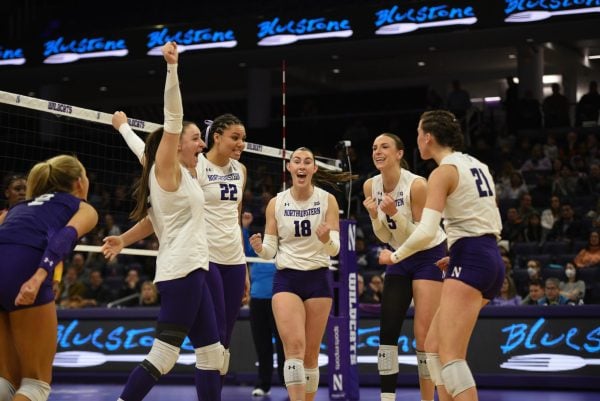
(163, 356)
(35, 390)
(293, 372)
(435, 368)
(457, 377)
(312, 379)
(225, 367)
(7, 390)
(210, 357)
(422, 366)
(387, 359)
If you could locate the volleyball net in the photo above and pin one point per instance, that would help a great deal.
(32, 130)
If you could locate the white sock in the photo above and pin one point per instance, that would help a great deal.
(388, 397)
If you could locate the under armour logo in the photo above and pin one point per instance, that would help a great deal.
(456, 271)
(381, 354)
(291, 367)
(286, 204)
(46, 260)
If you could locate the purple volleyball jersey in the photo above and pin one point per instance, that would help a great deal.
(34, 221)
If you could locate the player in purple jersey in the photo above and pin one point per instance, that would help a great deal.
(463, 189)
(393, 197)
(36, 235)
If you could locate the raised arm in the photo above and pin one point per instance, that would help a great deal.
(167, 170)
(134, 142)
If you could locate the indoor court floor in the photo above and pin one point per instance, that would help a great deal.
(110, 392)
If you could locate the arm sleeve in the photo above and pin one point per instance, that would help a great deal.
(59, 246)
(173, 108)
(382, 233)
(423, 234)
(134, 142)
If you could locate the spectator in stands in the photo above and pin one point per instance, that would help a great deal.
(363, 295)
(458, 101)
(508, 294)
(131, 285)
(515, 189)
(573, 289)
(551, 214)
(533, 231)
(525, 208)
(71, 288)
(538, 161)
(149, 295)
(508, 270)
(14, 186)
(97, 292)
(565, 183)
(536, 292)
(552, 294)
(588, 106)
(109, 227)
(567, 227)
(556, 109)
(534, 273)
(590, 183)
(512, 227)
(571, 147)
(78, 262)
(550, 147)
(590, 255)
(374, 290)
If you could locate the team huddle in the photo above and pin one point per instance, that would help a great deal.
(192, 202)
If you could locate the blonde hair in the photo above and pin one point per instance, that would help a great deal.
(57, 174)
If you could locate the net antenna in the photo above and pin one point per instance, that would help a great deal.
(283, 127)
(345, 144)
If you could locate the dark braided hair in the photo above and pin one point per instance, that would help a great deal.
(444, 126)
(219, 125)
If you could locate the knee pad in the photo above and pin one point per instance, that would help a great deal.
(171, 334)
(435, 368)
(210, 357)
(7, 390)
(162, 357)
(35, 390)
(225, 368)
(387, 359)
(422, 366)
(457, 377)
(293, 372)
(312, 379)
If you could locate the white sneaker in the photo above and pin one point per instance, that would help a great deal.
(259, 392)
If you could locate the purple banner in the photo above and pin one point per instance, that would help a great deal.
(343, 321)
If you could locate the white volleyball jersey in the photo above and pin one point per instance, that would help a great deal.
(299, 247)
(401, 194)
(471, 210)
(178, 221)
(223, 191)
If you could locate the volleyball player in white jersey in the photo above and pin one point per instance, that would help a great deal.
(395, 198)
(461, 188)
(177, 216)
(223, 179)
(301, 232)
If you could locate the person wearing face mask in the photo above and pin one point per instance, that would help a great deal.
(572, 289)
(534, 273)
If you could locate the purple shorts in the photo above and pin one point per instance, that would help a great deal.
(476, 261)
(421, 265)
(305, 284)
(17, 265)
